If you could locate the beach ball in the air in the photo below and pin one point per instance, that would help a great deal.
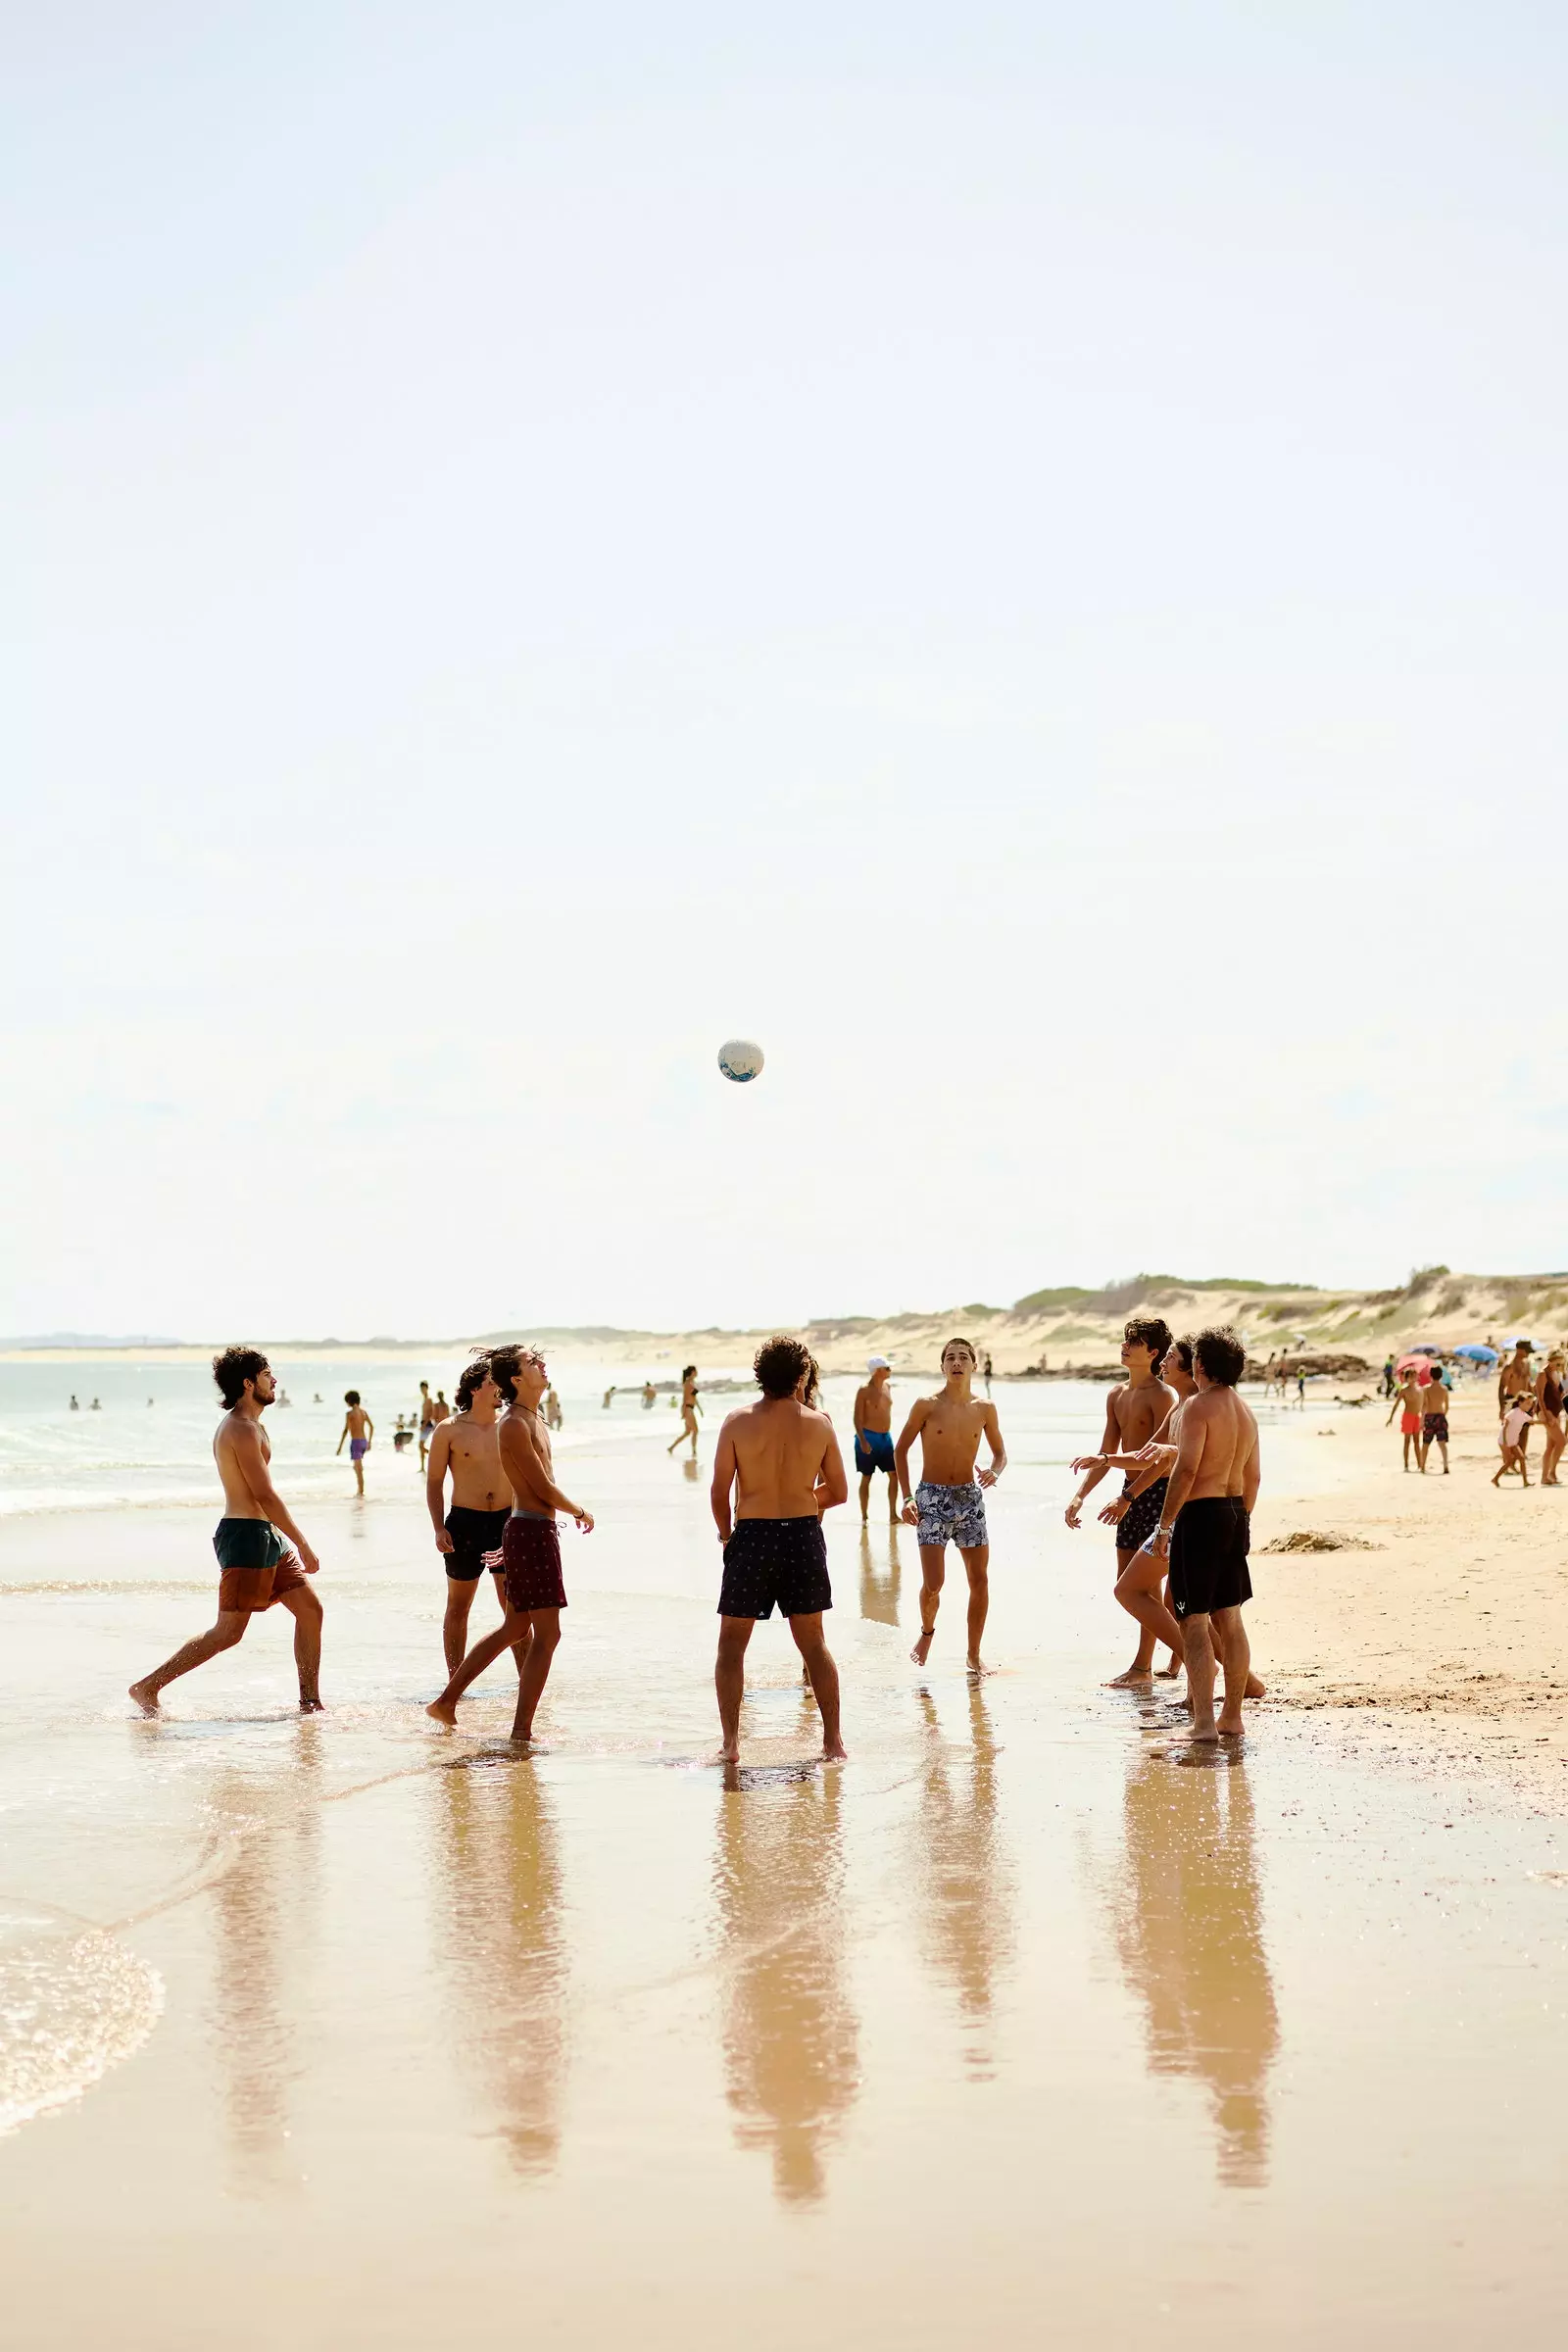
(740, 1059)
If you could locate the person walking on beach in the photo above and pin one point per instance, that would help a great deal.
(873, 1435)
(1136, 1412)
(1408, 1403)
(426, 1420)
(776, 1470)
(1205, 1531)
(1434, 1418)
(359, 1429)
(471, 1533)
(1387, 1377)
(690, 1407)
(949, 1505)
(1511, 1440)
(256, 1565)
(1550, 1397)
(531, 1546)
(985, 1369)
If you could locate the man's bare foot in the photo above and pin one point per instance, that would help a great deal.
(1230, 1727)
(1208, 1738)
(1168, 1674)
(311, 1705)
(834, 1751)
(974, 1668)
(730, 1754)
(444, 1710)
(146, 1697)
(1256, 1687)
(1131, 1680)
(922, 1647)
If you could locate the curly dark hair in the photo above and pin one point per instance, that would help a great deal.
(351, 1396)
(1182, 1350)
(505, 1363)
(474, 1376)
(813, 1383)
(1219, 1354)
(1151, 1332)
(234, 1368)
(780, 1364)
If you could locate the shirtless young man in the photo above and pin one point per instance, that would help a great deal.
(873, 1435)
(948, 1506)
(426, 1420)
(1434, 1418)
(780, 1461)
(530, 1546)
(1407, 1402)
(1208, 1504)
(359, 1429)
(256, 1565)
(1135, 1414)
(470, 1534)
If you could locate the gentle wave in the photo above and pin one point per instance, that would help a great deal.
(72, 2006)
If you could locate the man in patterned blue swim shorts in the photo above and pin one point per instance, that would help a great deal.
(949, 1505)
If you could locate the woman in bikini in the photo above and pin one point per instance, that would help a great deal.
(1549, 1398)
(689, 1410)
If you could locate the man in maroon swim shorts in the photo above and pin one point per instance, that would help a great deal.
(529, 1557)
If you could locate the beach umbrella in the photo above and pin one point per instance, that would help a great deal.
(1479, 1355)
(1411, 1364)
(1424, 1348)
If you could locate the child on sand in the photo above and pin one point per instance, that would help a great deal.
(1511, 1437)
(359, 1429)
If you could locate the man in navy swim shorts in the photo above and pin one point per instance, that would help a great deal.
(873, 1435)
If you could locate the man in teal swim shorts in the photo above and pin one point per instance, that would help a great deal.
(873, 1435)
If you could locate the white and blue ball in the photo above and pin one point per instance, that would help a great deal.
(740, 1059)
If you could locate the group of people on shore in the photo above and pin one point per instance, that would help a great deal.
(1421, 1393)
(1189, 1456)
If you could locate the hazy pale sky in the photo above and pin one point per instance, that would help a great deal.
(1011, 552)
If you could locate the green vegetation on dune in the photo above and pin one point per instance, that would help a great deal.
(1116, 1297)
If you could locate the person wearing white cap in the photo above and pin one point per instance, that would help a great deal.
(873, 1435)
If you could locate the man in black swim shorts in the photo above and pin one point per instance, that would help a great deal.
(467, 1445)
(1206, 1530)
(779, 1461)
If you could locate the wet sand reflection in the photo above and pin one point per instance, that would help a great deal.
(879, 1591)
(497, 1898)
(266, 1907)
(791, 2035)
(966, 1885)
(1189, 1930)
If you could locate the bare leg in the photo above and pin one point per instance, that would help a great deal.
(536, 1669)
(512, 1632)
(977, 1563)
(866, 1496)
(1235, 1652)
(893, 1499)
(1199, 1658)
(1255, 1687)
(1138, 1577)
(932, 1572)
(730, 1683)
(229, 1628)
(455, 1624)
(809, 1641)
(359, 1476)
(306, 1611)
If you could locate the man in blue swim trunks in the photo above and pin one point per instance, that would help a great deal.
(948, 1506)
(873, 1435)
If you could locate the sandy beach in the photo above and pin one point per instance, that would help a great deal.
(346, 2026)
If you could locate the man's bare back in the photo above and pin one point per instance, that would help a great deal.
(1228, 1445)
(780, 1447)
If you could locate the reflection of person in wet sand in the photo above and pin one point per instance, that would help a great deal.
(873, 1435)
(948, 1506)
(255, 1563)
(530, 1548)
(778, 1468)
(690, 1407)
(879, 1600)
(966, 1888)
(1190, 1930)
(1209, 1504)
(1136, 1412)
(497, 1901)
(791, 2034)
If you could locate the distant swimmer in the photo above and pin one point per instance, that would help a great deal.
(469, 1535)
(359, 1429)
(650, 1395)
(776, 1470)
(426, 1420)
(1206, 1531)
(255, 1563)
(1549, 1398)
(608, 1394)
(1408, 1403)
(75, 1407)
(949, 1505)
(986, 1371)
(530, 1544)
(96, 1406)
(1136, 1414)
(873, 1435)
(553, 1413)
(690, 1407)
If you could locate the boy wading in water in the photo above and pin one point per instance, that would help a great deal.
(780, 1461)
(475, 1530)
(1206, 1531)
(948, 1506)
(1135, 1415)
(531, 1546)
(256, 1566)
(873, 1437)
(359, 1429)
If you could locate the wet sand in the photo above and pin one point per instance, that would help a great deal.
(1018, 2026)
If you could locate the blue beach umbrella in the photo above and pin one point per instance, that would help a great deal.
(1479, 1355)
